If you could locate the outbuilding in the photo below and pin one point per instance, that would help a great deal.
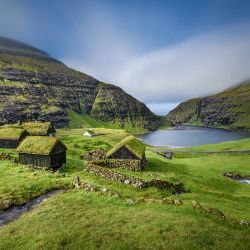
(42, 151)
(11, 137)
(129, 151)
(39, 128)
(89, 133)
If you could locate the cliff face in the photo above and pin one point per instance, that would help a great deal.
(35, 86)
(113, 104)
(228, 109)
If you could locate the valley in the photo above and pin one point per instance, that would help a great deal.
(108, 214)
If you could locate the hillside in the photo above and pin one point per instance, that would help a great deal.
(228, 109)
(37, 86)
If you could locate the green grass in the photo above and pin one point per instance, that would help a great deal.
(85, 121)
(81, 220)
(20, 184)
(223, 146)
(89, 221)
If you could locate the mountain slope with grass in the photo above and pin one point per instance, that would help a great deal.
(228, 109)
(34, 85)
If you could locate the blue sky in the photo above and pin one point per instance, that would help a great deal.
(162, 52)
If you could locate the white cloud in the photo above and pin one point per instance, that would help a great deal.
(199, 66)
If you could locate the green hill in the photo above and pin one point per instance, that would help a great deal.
(228, 109)
(35, 86)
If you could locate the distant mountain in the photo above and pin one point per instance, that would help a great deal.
(34, 85)
(228, 109)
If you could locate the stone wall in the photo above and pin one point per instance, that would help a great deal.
(4, 156)
(129, 180)
(133, 165)
(98, 157)
(96, 154)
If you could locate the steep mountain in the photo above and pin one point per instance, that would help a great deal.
(228, 109)
(34, 85)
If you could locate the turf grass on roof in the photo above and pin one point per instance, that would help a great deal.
(11, 133)
(132, 144)
(42, 145)
(37, 128)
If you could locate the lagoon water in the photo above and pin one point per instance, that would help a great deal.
(187, 136)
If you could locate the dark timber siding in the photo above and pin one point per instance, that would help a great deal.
(58, 160)
(35, 160)
(123, 153)
(7, 143)
(48, 161)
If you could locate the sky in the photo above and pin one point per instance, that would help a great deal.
(161, 52)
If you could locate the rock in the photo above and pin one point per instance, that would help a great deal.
(215, 211)
(104, 189)
(244, 223)
(177, 202)
(4, 204)
(76, 182)
(96, 154)
(196, 204)
(130, 201)
(127, 182)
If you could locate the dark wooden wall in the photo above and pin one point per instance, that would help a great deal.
(123, 153)
(57, 160)
(7, 143)
(47, 161)
(35, 160)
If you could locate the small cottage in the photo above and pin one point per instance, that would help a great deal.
(11, 137)
(89, 133)
(42, 151)
(131, 151)
(39, 128)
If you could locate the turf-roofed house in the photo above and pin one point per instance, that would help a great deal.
(11, 137)
(42, 151)
(39, 128)
(129, 152)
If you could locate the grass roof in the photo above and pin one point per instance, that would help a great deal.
(42, 145)
(132, 144)
(37, 128)
(11, 133)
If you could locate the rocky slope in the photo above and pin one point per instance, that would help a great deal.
(35, 86)
(228, 109)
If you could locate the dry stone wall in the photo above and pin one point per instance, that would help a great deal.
(129, 180)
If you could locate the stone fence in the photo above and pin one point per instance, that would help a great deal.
(133, 165)
(129, 180)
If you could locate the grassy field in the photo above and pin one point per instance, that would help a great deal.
(77, 219)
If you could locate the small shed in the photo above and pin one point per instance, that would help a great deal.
(129, 148)
(89, 133)
(39, 128)
(11, 137)
(42, 151)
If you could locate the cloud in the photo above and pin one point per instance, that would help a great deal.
(199, 66)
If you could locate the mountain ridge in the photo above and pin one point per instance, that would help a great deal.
(227, 109)
(35, 86)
